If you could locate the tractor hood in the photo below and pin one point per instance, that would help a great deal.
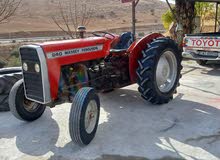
(51, 56)
(69, 48)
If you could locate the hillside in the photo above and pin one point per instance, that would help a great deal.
(35, 15)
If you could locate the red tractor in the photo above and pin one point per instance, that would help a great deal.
(75, 70)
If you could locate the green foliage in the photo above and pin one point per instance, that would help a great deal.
(202, 9)
(14, 60)
(167, 19)
(2, 63)
(15, 53)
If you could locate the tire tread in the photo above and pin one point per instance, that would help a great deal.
(75, 115)
(18, 110)
(147, 68)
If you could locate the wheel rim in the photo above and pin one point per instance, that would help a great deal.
(30, 106)
(91, 116)
(166, 71)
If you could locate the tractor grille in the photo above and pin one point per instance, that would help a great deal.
(32, 80)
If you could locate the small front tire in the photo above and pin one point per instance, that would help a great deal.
(84, 116)
(21, 107)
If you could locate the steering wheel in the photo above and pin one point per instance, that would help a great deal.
(103, 34)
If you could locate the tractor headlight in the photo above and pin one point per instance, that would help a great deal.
(25, 66)
(37, 68)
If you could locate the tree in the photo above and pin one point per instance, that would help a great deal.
(8, 9)
(182, 15)
(71, 14)
(185, 11)
(167, 19)
(203, 10)
(218, 20)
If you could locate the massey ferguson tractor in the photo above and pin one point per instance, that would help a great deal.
(76, 70)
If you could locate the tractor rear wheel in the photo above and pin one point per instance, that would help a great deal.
(84, 116)
(159, 71)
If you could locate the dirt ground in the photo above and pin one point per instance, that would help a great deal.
(130, 128)
(34, 17)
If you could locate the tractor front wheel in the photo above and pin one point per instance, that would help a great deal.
(21, 107)
(84, 116)
(159, 71)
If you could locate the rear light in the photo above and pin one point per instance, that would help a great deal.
(184, 42)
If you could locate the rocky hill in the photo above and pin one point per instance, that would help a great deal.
(35, 15)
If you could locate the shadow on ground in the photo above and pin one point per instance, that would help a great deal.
(212, 69)
(34, 138)
(181, 129)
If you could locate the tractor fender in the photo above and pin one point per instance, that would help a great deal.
(135, 53)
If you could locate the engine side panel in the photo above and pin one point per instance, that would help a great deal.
(68, 52)
(72, 78)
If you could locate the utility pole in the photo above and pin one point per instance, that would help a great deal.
(134, 19)
(216, 16)
(134, 4)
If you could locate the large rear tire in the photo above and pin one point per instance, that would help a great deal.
(84, 116)
(6, 83)
(21, 107)
(159, 71)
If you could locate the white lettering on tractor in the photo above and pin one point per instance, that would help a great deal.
(76, 51)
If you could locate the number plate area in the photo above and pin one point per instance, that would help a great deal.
(208, 54)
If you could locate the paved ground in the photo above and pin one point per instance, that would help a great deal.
(130, 128)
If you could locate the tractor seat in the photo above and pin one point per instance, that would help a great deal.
(126, 39)
(117, 50)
